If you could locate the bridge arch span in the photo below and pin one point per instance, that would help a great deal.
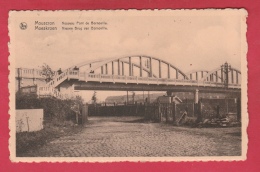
(224, 74)
(140, 65)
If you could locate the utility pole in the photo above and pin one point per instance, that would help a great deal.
(127, 97)
(149, 96)
(133, 95)
(226, 71)
(143, 96)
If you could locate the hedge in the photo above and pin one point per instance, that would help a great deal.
(52, 107)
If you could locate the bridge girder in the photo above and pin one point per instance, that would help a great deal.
(144, 87)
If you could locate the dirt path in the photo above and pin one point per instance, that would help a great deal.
(129, 136)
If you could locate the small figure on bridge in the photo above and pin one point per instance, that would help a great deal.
(92, 71)
(59, 71)
(76, 68)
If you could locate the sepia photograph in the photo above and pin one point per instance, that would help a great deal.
(128, 85)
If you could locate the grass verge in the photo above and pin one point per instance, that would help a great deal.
(52, 129)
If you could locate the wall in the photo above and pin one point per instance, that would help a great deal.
(66, 89)
(29, 82)
(29, 120)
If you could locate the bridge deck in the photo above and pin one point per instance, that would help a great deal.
(116, 79)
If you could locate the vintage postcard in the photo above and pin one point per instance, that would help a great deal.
(128, 85)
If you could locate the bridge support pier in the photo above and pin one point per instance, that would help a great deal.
(197, 106)
(196, 96)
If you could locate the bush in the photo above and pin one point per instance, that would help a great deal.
(52, 107)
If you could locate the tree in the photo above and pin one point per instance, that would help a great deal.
(76, 107)
(47, 72)
(79, 100)
(94, 97)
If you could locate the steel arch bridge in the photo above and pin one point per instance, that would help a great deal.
(144, 72)
(145, 64)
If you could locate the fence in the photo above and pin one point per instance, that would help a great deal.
(215, 108)
(205, 109)
(116, 110)
(168, 112)
(152, 112)
(172, 112)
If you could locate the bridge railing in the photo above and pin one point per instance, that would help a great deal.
(73, 74)
(45, 91)
(28, 73)
(96, 77)
(82, 76)
(63, 76)
(57, 79)
(50, 90)
(234, 86)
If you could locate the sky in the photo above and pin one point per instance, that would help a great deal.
(188, 39)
